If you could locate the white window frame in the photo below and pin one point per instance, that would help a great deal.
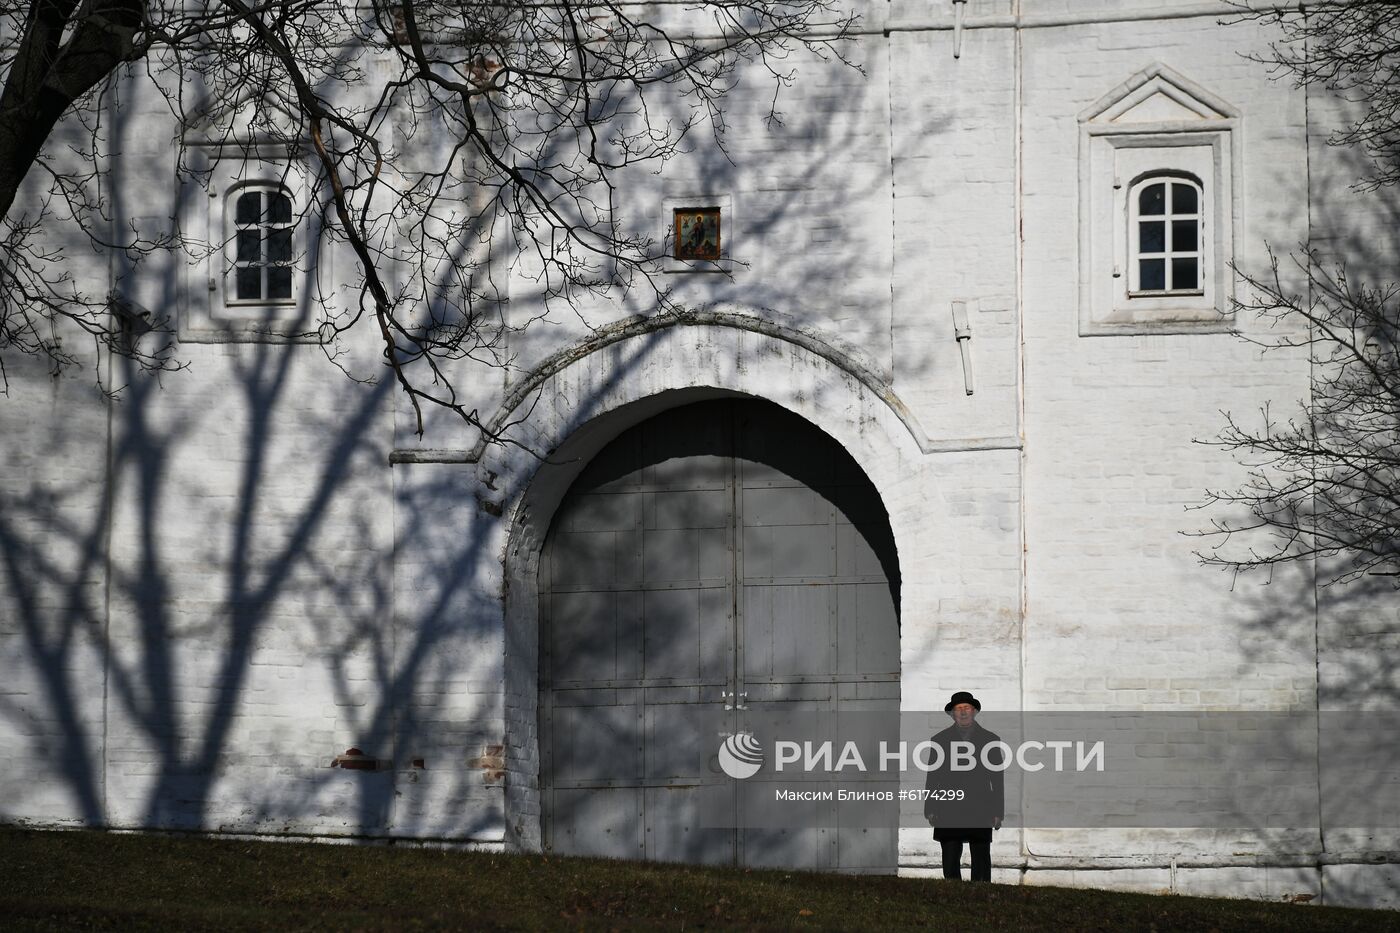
(210, 310)
(232, 228)
(1168, 219)
(1126, 137)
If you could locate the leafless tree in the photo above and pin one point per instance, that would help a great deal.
(521, 118)
(1351, 48)
(1324, 483)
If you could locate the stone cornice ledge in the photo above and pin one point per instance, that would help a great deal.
(770, 324)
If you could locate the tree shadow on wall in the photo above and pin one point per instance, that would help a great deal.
(241, 557)
(1336, 610)
(197, 582)
(202, 602)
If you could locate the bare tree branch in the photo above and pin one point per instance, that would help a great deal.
(453, 139)
(1351, 48)
(1326, 481)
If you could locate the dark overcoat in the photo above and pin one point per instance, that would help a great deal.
(983, 798)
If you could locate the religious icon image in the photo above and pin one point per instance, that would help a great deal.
(697, 233)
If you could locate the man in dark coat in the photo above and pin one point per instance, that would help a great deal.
(964, 805)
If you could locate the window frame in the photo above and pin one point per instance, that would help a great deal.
(1113, 162)
(232, 227)
(1156, 123)
(1168, 218)
(213, 176)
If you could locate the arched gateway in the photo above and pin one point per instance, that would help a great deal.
(723, 561)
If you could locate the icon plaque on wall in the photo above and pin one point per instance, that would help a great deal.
(697, 233)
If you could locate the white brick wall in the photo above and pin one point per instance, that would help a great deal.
(216, 585)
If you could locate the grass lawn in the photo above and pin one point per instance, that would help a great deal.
(87, 880)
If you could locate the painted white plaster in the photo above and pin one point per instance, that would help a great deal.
(224, 581)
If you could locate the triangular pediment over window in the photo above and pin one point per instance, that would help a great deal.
(1157, 95)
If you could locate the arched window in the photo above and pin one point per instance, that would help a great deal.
(263, 245)
(1165, 237)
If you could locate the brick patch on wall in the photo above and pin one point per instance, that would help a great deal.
(492, 760)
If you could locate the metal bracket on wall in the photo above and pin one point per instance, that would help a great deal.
(959, 8)
(962, 331)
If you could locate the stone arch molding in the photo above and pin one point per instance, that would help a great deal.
(571, 404)
(575, 402)
(714, 350)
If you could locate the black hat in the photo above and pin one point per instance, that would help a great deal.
(962, 696)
